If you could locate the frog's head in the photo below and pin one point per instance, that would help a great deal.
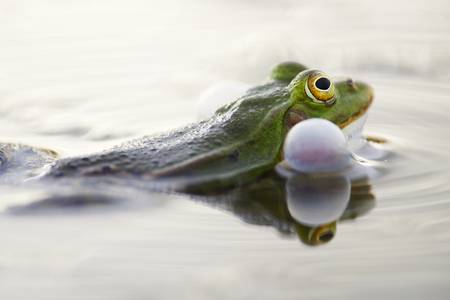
(313, 94)
(248, 134)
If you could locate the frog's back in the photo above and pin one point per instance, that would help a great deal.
(245, 135)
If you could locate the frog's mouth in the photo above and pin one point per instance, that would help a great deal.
(356, 117)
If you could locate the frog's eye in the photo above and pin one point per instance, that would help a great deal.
(320, 89)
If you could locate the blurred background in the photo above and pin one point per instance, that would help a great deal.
(80, 76)
(89, 71)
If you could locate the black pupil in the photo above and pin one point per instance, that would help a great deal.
(323, 83)
(326, 237)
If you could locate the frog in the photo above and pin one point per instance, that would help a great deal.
(242, 141)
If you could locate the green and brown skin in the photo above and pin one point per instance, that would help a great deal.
(243, 140)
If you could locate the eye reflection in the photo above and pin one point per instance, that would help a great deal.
(316, 235)
(326, 237)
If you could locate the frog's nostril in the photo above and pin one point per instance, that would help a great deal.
(351, 84)
(323, 83)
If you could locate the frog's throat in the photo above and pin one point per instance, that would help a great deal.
(356, 115)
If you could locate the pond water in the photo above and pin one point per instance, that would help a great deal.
(78, 77)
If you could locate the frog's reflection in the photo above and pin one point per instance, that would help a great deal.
(308, 207)
(316, 204)
(305, 206)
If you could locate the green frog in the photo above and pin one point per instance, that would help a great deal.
(240, 142)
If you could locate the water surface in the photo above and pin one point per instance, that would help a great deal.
(77, 77)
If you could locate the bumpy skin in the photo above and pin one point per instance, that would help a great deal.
(243, 137)
(241, 141)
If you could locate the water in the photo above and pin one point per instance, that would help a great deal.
(77, 77)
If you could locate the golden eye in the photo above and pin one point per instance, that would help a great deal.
(320, 89)
(322, 234)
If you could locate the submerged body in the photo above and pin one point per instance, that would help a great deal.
(243, 140)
